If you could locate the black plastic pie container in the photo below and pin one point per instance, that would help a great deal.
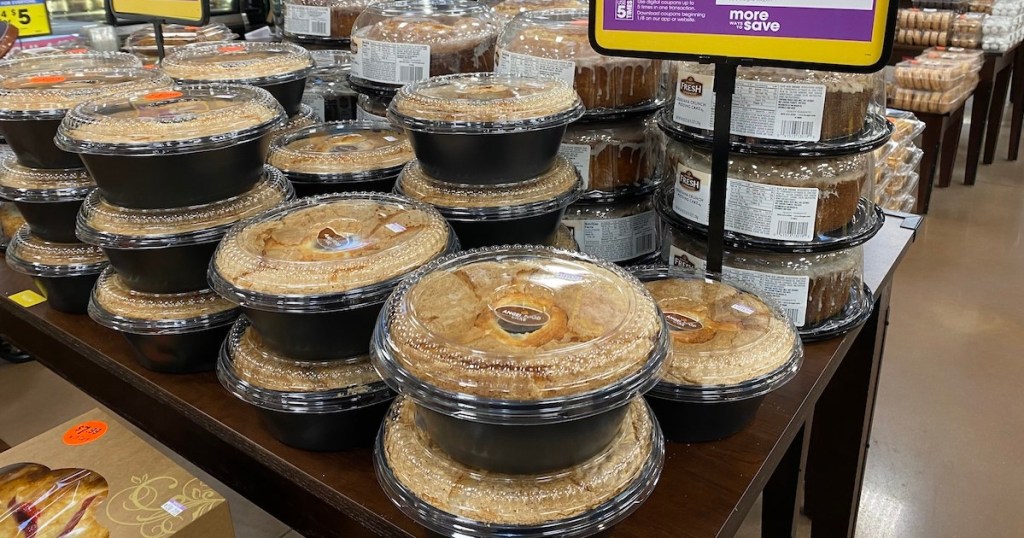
(282, 67)
(467, 393)
(485, 128)
(155, 150)
(525, 213)
(692, 411)
(169, 250)
(327, 420)
(343, 156)
(170, 333)
(32, 141)
(63, 272)
(291, 301)
(48, 199)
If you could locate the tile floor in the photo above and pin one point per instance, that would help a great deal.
(945, 457)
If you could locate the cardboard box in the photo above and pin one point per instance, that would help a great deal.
(92, 477)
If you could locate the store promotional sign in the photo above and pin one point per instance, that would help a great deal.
(29, 16)
(176, 11)
(852, 34)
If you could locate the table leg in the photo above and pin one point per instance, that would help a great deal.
(841, 429)
(950, 147)
(784, 491)
(995, 114)
(930, 142)
(1017, 96)
(979, 115)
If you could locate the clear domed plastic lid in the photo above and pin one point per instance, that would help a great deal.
(244, 62)
(520, 334)
(342, 151)
(175, 35)
(485, 102)
(556, 189)
(104, 224)
(556, 42)
(510, 8)
(50, 94)
(454, 500)
(178, 119)
(332, 60)
(262, 377)
(619, 158)
(304, 118)
(116, 306)
(30, 255)
(328, 252)
(82, 59)
(727, 343)
(23, 184)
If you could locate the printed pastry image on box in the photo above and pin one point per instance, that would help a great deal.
(93, 478)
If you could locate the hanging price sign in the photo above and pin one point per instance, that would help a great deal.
(29, 16)
(168, 11)
(849, 35)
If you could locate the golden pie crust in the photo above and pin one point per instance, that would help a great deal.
(720, 335)
(112, 295)
(344, 153)
(582, 328)
(61, 502)
(421, 467)
(558, 182)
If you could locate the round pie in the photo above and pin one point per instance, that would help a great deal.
(343, 149)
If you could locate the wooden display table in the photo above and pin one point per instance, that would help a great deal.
(706, 489)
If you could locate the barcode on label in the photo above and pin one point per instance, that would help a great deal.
(798, 128)
(407, 73)
(645, 244)
(792, 229)
(319, 28)
(793, 314)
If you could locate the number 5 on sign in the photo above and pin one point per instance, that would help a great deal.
(29, 16)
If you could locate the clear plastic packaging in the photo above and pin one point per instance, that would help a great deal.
(520, 335)
(615, 158)
(822, 293)
(727, 343)
(509, 9)
(24, 64)
(257, 64)
(180, 119)
(975, 58)
(564, 240)
(322, 20)
(327, 88)
(373, 107)
(328, 252)
(117, 307)
(514, 125)
(931, 102)
(305, 118)
(432, 38)
(104, 224)
(32, 256)
(143, 42)
(452, 499)
(313, 405)
(967, 30)
(342, 152)
(931, 75)
(955, 5)
(929, 20)
(22, 184)
(40, 95)
(834, 106)
(622, 231)
(908, 127)
(803, 200)
(556, 43)
(57, 502)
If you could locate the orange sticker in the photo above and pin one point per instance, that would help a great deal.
(581, 22)
(85, 433)
(232, 48)
(191, 28)
(160, 96)
(76, 51)
(47, 79)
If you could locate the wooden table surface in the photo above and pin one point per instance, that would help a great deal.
(705, 490)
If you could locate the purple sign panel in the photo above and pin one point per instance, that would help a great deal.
(848, 20)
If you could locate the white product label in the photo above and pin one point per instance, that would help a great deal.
(579, 156)
(789, 292)
(767, 110)
(391, 63)
(173, 508)
(769, 211)
(316, 102)
(619, 239)
(363, 115)
(532, 66)
(307, 20)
